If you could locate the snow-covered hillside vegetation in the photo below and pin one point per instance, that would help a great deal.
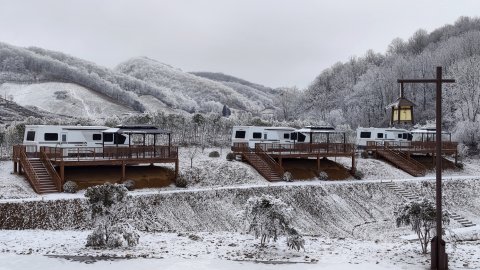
(192, 93)
(139, 85)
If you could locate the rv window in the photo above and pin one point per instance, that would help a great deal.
(409, 137)
(240, 134)
(51, 137)
(365, 135)
(265, 136)
(119, 139)
(64, 137)
(301, 137)
(405, 136)
(379, 135)
(257, 135)
(97, 137)
(286, 136)
(108, 137)
(293, 136)
(400, 136)
(31, 136)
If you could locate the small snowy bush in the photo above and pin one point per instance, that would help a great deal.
(358, 175)
(70, 187)
(295, 240)
(322, 175)
(287, 176)
(181, 180)
(108, 205)
(230, 156)
(214, 154)
(129, 184)
(189, 175)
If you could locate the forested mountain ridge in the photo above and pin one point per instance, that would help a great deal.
(356, 92)
(160, 88)
(190, 92)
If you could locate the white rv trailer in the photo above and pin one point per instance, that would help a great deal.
(381, 135)
(65, 136)
(256, 134)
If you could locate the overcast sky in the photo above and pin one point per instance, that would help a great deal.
(271, 42)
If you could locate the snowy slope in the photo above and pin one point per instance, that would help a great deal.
(189, 92)
(64, 98)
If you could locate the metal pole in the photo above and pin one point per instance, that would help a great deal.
(438, 167)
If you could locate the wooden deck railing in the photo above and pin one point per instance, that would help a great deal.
(240, 147)
(411, 146)
(58, 154)
(32, 176)
(307, 148)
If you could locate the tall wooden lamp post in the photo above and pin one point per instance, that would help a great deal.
(439, 257)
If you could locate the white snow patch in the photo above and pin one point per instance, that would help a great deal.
(79, 101)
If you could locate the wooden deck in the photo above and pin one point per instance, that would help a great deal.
(267, 158)
(400, 153)
(55, 159)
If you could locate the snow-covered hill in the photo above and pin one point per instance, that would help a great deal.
(139, 84)
(192, 93)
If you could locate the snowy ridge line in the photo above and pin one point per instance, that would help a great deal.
(63, 196)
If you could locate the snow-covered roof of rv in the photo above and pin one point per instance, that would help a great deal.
(383, 129)
(268, 128)
(136, 129)
(68, 127)
(428, 131)
(318, 129)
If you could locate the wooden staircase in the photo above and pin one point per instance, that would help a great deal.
(264, 164)
(45, 183)
(410, 196)
(402, 161)
(39, 171)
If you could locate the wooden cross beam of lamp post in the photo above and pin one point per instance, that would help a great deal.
(439, 257)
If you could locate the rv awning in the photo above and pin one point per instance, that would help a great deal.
(136, 129)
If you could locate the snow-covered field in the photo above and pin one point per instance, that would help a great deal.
(348, 224)
(66, 249)
(63, 98)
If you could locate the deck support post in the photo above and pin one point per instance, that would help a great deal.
(318, 163)
(20, 170)
(280, 161)
(62, 172)
(176, 168)
(353, 163)
(15, 168)
(123, 170)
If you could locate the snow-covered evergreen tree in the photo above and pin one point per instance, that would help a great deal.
(109, 205)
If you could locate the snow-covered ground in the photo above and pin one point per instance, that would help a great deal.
(73, 100)
(349, 223)
(66, 249)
